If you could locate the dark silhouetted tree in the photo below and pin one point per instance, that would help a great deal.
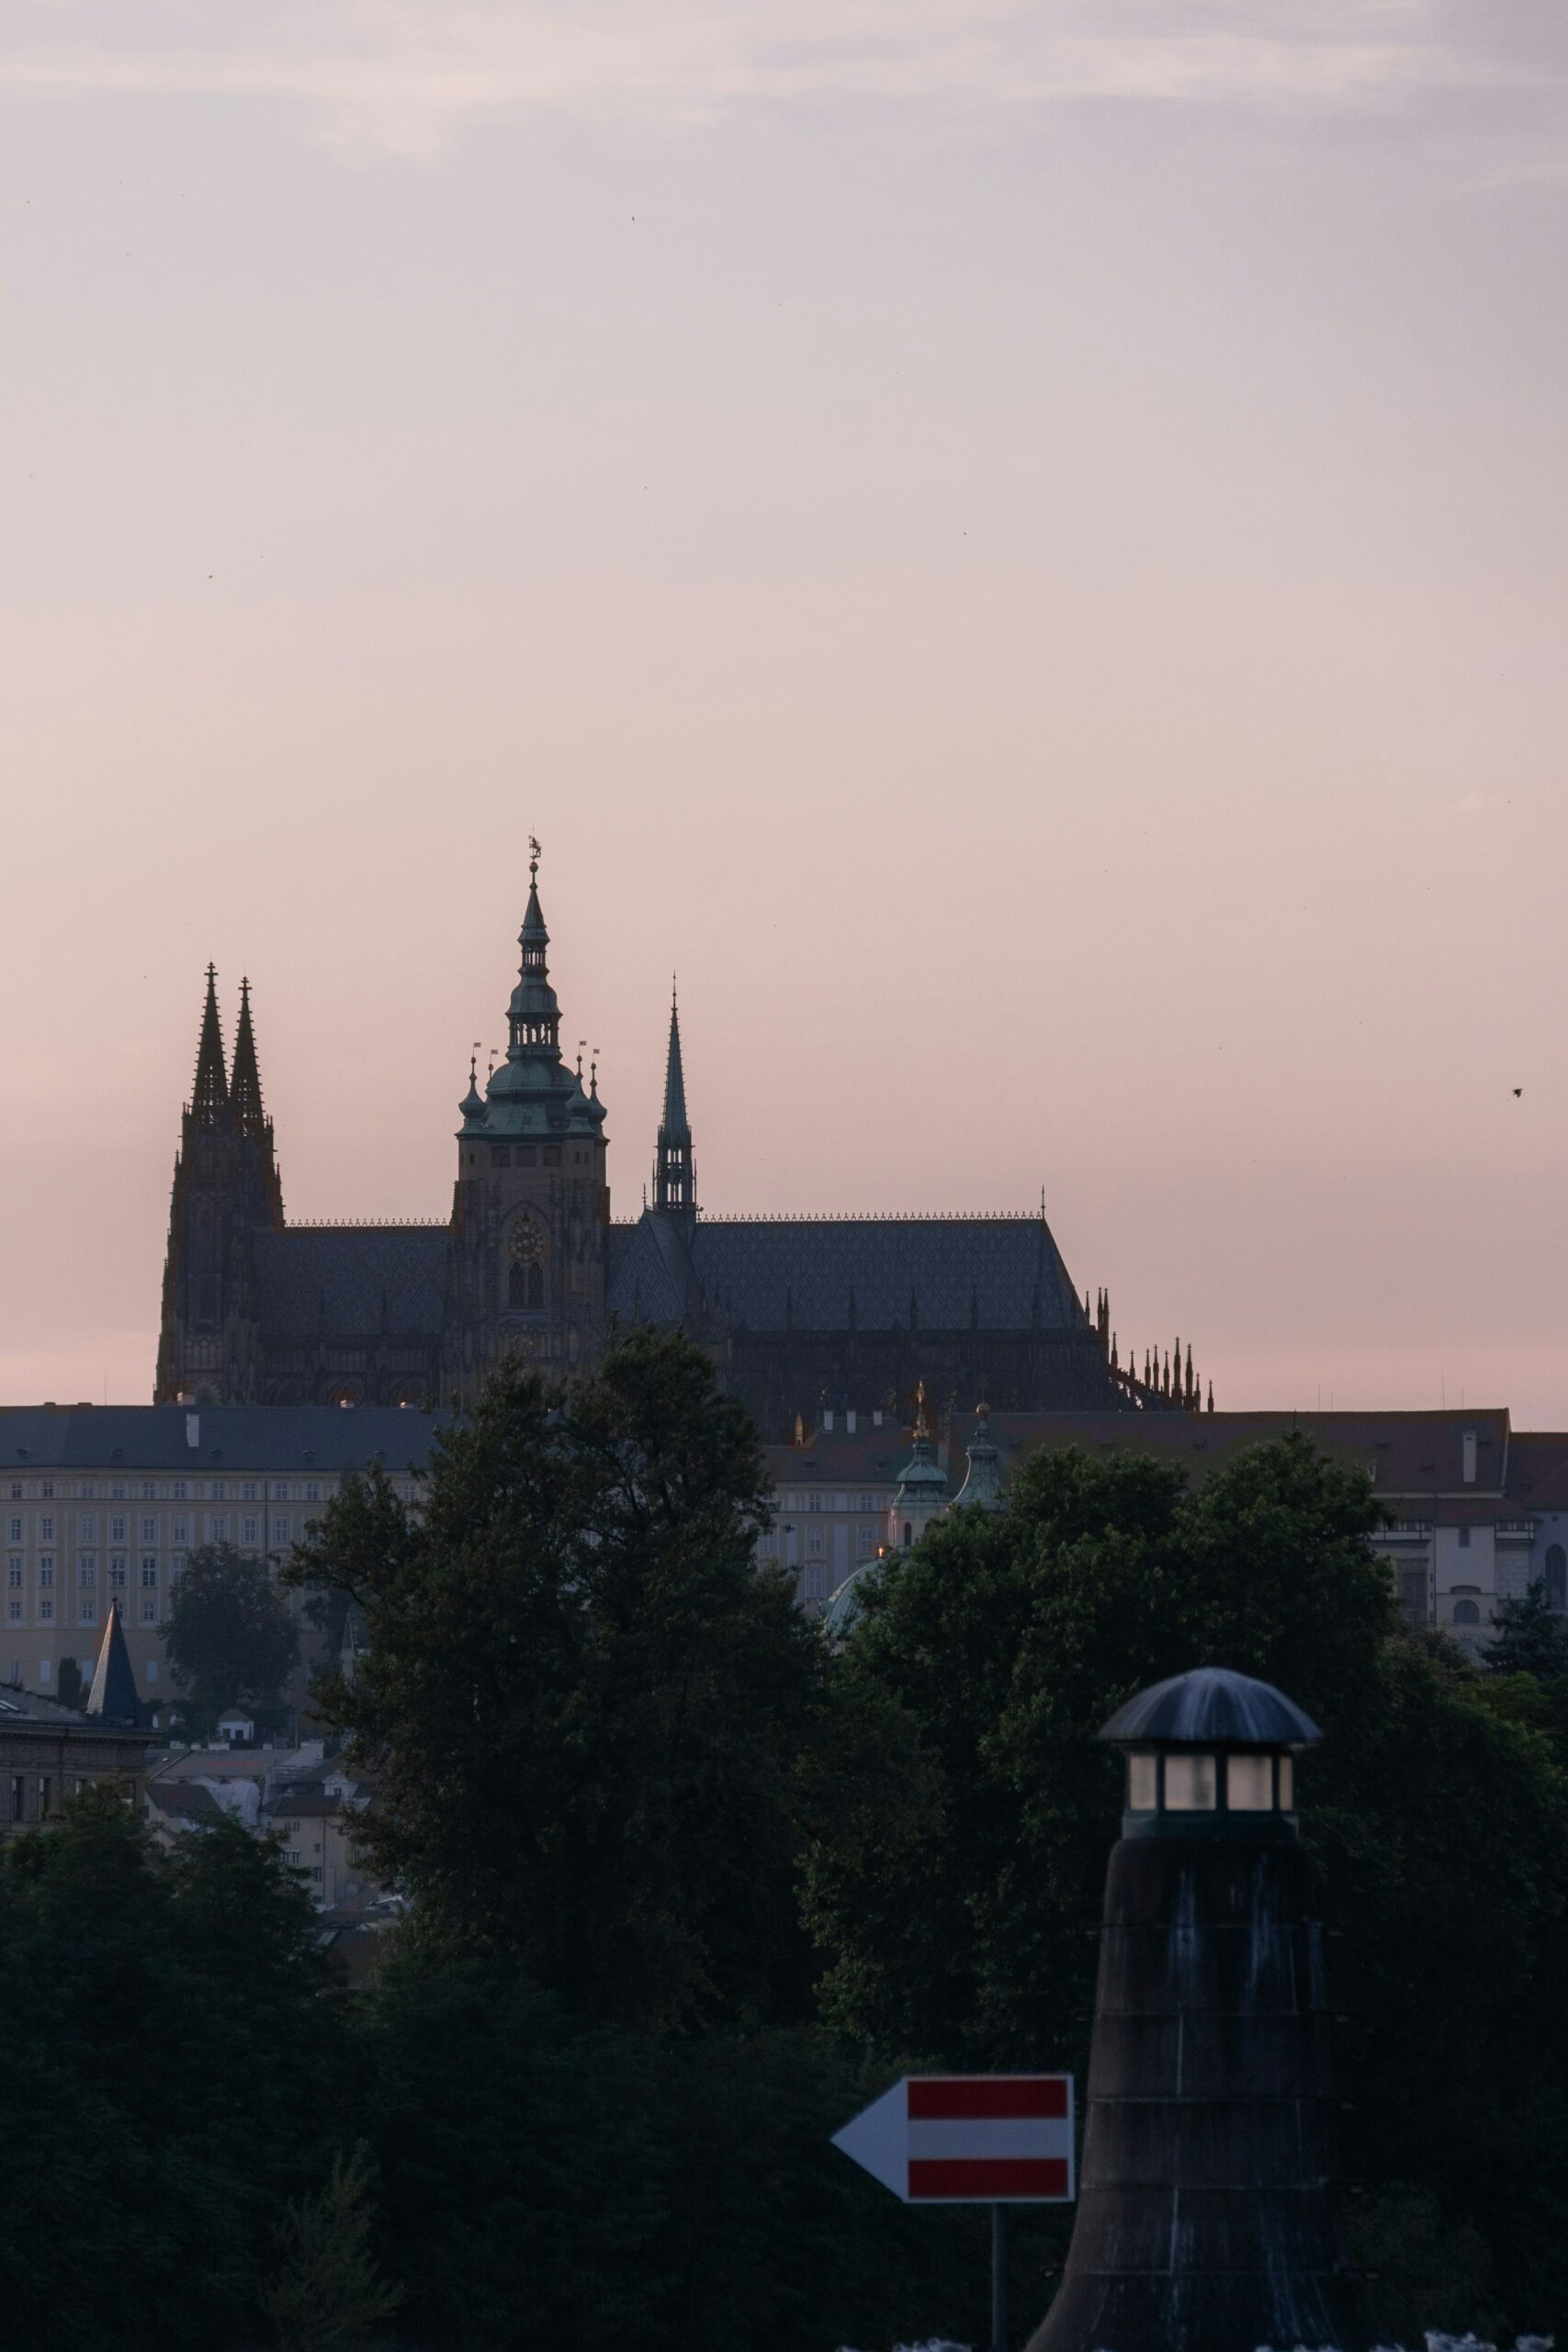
(583, 1706)
(230, 1636)
(951, 1897)
(1531, 1638)
(330, 2295)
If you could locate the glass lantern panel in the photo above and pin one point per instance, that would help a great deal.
(1190, 1784)
(1142, 1784)
(1249, 1783)
(1287, 1780)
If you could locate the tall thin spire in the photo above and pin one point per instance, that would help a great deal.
(675, 1124)
(533, 1015)
(210, 1095)
(245, 1087)
(674, 1173)
(113, 1695)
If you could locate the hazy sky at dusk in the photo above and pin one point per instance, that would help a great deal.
(1021, 549)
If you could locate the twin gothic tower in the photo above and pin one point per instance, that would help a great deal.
(799, 1313)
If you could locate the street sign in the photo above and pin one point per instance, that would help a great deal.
(968, 2139)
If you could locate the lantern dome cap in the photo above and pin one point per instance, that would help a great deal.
(1209, 1707)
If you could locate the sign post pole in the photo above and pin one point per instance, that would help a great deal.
(995, 2140)
(998, 2279)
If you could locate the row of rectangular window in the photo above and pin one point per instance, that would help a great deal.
(87, 1564)
(86, 1609)
(177, 1490)
(281, 1530)
(45, 1671)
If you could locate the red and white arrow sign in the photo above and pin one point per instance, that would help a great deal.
(968, 2139)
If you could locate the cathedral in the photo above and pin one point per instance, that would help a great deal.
(803, 1316)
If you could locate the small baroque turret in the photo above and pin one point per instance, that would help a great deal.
(225, 1190)
(982, 1488)
(530, 1207)
(921, 1493)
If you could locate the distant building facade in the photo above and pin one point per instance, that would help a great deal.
(49, 1751)
(102, 1504)
(1478, 1512)
(309, 1801)
(799, 1313)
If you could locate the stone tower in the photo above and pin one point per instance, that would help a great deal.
(531, 1208)
(225, 1190)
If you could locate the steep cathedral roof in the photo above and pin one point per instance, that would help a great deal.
(947, 1273)
(331, 1281)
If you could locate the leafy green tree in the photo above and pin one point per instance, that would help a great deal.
(175, 2066)
(953, 1902)
(328, 2295)
(585, 1709)
(230, 1636)
(571, 2188)
(1532, 1638)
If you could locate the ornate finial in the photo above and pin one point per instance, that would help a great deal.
(535, 853)
(581, 1042)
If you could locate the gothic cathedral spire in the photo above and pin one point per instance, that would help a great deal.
(225, 1192)
(245, 1087)
(209, 1094)
(674, 1175)
(246, 1113)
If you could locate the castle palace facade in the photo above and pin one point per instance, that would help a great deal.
(802, 1315)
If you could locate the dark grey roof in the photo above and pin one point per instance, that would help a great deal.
(183, 1801)
(1213, 1706)
(650, 1275)
(827, 1274)
(32, 1711)
(346, 1281)
(251, 1437)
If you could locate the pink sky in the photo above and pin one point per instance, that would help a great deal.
(1021, 549)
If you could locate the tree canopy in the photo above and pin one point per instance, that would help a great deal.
(585, 1709)
(231, 1637)
(173, 2064)
(587, 2101)
(1531, 1637)
(953, 1903)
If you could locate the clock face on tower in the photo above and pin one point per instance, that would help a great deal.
(527, 1247)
